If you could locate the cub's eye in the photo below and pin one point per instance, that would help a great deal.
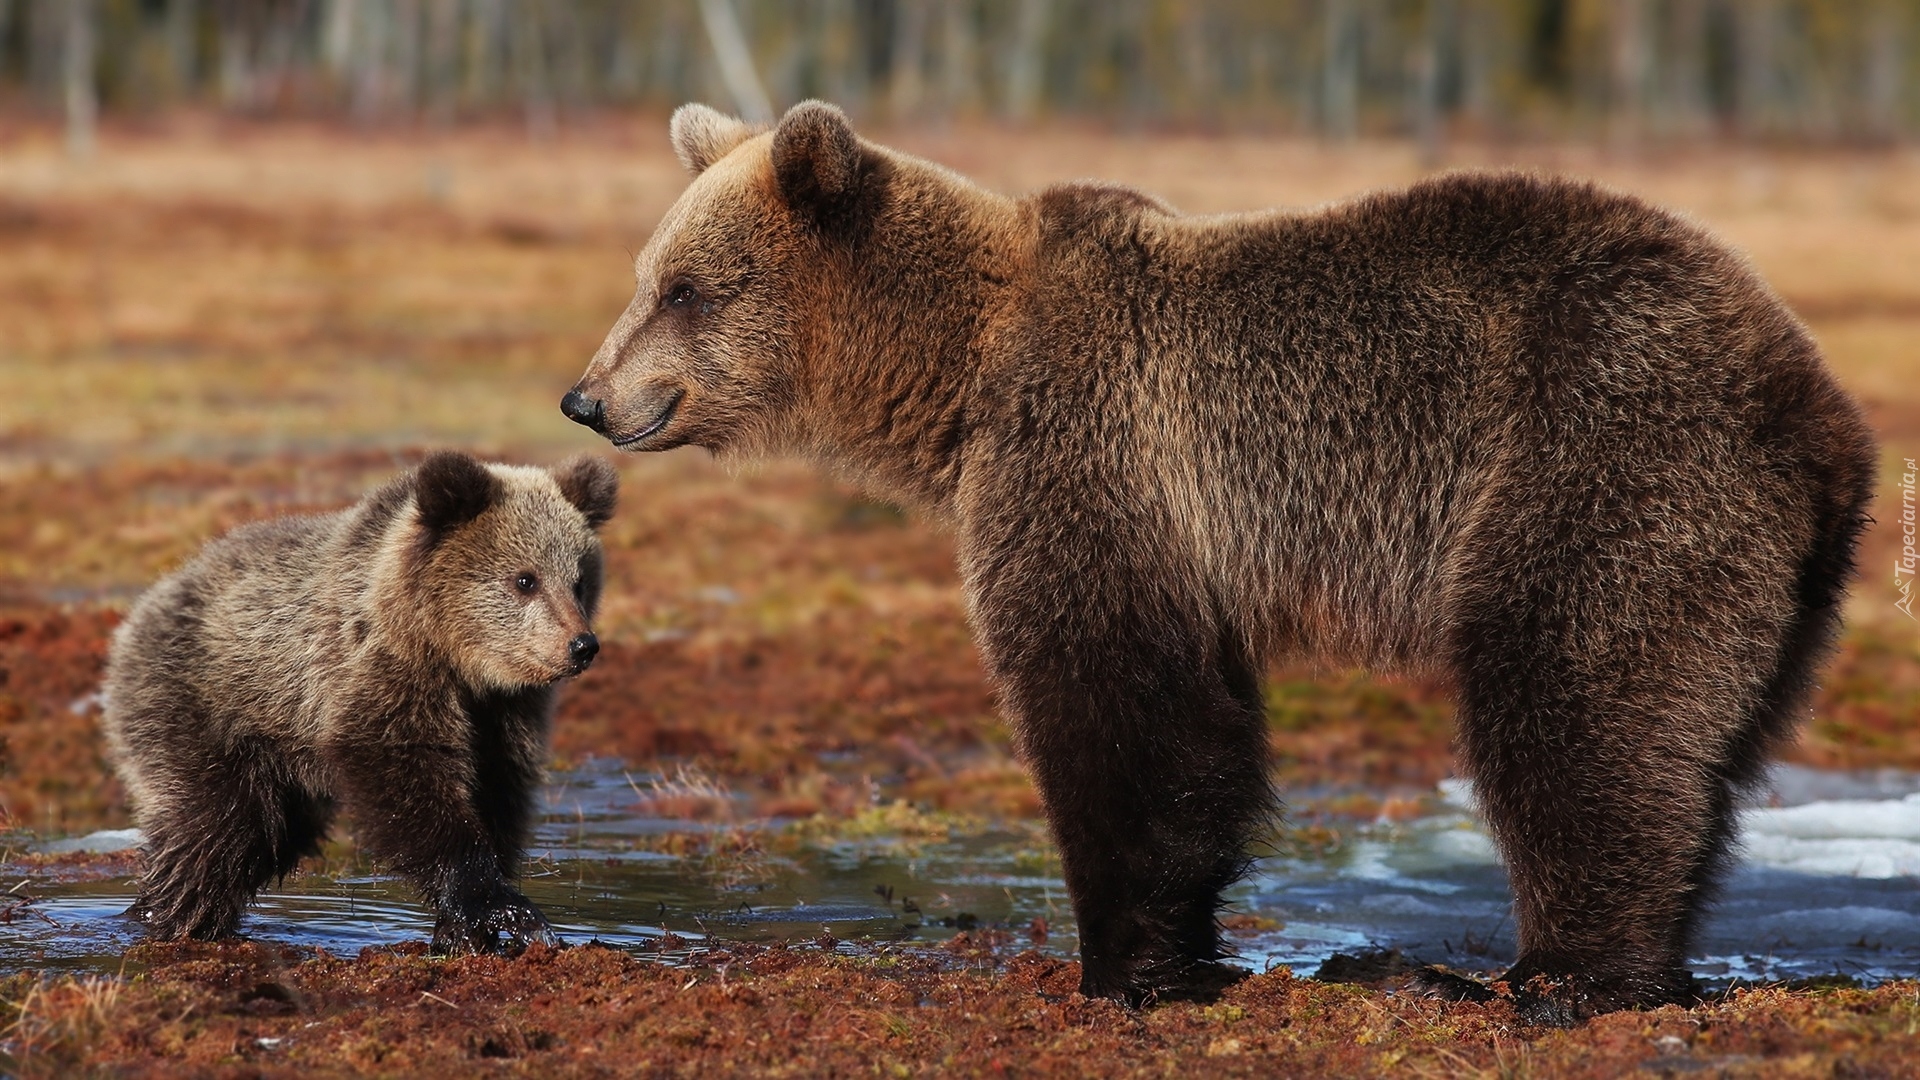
(681, 295)
(526, 582)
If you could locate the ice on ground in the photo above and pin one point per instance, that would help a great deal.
(1824, 885)
(104, 842)
(1863, 838)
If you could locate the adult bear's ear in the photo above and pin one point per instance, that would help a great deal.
(591, 485)
(816, 157)
(702, 136)
(452, 489)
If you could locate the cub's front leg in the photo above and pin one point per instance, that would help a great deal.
(416, 807)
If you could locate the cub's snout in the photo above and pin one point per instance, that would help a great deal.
(581, 650)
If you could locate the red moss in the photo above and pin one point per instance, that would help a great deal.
(753, 1011)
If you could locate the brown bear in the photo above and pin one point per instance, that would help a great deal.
(398, 657)
(1554, 444)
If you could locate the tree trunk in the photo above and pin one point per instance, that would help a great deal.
(83, 104)
(1429, 123)
(1685, 105)
(907, 67)
(528, 40)
(182, 58)
(1755, 54)
(1026, 64)
(736, 61)
(959, 58)
(1480, 54)
(1340, 71)
(1884, 77)
(1627, 75)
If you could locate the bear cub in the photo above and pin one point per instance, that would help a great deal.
(397, 657)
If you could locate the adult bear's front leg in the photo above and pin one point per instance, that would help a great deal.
(1139, 717)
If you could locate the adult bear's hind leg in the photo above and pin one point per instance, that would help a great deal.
(1609, 778)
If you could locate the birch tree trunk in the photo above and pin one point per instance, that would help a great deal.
(1627, 75)
(907, 65)
(736, 61)
(1340, 71)
(83, 105)
(959, 57)
(1027, 59)
(182, 58)
(1884, 74)
(1755, 24)
(1428, 122)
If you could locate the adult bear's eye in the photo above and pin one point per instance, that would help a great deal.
(682, 295)
(526, 582)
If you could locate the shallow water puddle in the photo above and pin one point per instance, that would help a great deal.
(1827, 886)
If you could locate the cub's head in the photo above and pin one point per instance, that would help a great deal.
(506, 565)
(741, 278)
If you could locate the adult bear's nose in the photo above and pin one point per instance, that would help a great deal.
(582, 650)
(583, 410)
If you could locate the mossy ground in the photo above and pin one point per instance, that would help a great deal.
(974, 1008)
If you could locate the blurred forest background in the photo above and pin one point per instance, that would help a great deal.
(1622, 70)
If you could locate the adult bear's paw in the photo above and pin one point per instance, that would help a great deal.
(1439, 983)
(1560, 998)
(1167, 980)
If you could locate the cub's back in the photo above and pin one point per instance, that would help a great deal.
(234, 640)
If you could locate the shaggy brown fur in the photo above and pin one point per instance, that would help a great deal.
(398, 656)
(1540, 437)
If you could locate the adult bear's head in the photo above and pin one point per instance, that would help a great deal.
(739, 286)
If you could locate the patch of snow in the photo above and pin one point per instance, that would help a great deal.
(104, 842)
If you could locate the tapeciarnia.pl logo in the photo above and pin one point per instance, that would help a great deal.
(1903, 567)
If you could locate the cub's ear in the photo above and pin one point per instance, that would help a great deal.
(702, 136)
(816, 156)
(591, 485)
(452, 489)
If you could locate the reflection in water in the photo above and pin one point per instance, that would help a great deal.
(1826, 888)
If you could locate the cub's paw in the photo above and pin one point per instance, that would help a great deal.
(520, 924)
(1435, 982)
(190, 920)
(508, 924)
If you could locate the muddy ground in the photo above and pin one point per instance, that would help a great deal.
(215, 323)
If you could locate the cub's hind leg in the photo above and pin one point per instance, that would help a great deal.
(223, 826)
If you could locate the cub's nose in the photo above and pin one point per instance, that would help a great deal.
(582, 650)
(583, 410)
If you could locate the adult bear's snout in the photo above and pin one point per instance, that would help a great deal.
(584, 410)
